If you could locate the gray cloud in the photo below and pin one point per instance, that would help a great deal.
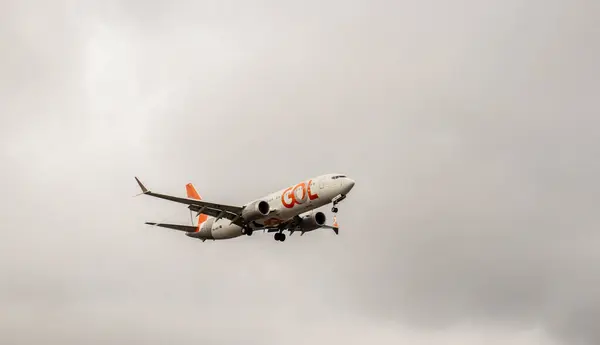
(470, 128)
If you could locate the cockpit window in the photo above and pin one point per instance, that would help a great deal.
(338, 176)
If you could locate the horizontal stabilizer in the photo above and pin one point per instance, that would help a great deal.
(185, 228)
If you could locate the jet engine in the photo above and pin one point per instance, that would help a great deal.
(207, 225)
(312, 221)
(256, 210)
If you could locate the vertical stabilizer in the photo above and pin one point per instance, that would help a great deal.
(193, 194)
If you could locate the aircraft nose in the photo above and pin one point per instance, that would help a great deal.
(349, 185)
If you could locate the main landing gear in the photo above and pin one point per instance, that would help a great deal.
(247, 231)
(279, 236)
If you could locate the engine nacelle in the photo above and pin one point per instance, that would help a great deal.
(312, 221)
(207, 225)
(256, 210)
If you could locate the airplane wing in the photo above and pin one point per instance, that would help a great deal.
(234, 213)
(333, 227)
(291, 225)
(287, 225)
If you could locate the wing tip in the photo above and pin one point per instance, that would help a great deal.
(142, 187)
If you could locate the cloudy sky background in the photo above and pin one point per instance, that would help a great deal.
(471, 129)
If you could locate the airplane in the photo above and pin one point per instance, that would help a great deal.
(292, 208)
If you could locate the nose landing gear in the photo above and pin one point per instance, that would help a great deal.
(336, 201)
(334, 209)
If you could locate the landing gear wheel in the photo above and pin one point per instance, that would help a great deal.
(334, 209)
(279, 237)
(249, 232)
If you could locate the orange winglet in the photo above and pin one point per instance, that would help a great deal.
(191, 192)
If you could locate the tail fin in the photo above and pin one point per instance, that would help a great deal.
(193, 194)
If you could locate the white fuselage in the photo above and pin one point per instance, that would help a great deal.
(284, 205)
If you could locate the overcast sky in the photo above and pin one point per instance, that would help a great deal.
(471, 128)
